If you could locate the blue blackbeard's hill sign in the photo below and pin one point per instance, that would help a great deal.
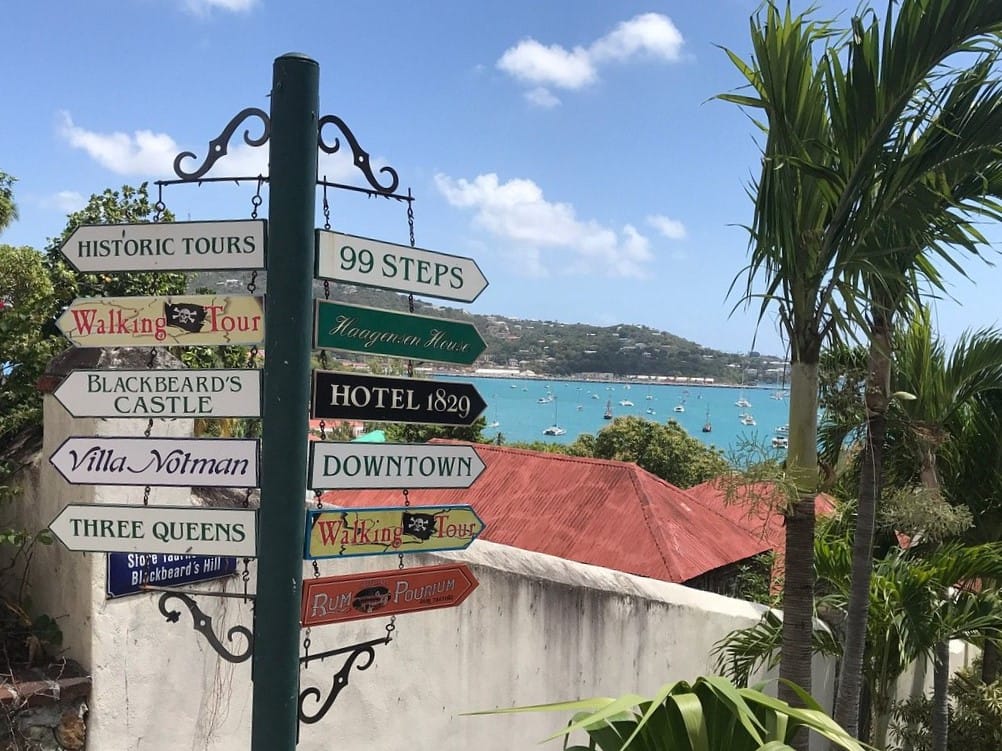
(128, 572)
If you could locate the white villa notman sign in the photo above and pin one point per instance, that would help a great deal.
(200, 462)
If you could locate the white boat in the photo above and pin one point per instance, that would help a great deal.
(678, 408)
(608, 411)
(779, 442)
(747, 419)
(743, 403)
(650, 411)
(625, 403)
(494, 424)
(783, 430)
(545, 399)
(554, 429)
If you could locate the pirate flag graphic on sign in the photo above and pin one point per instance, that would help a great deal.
(185, 316)
(421, 526)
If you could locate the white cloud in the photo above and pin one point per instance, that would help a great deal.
(204, 7)
(542, 97)
(517, 211)
(648, 35)
(535, 63)
(142, 153)
(673, 229)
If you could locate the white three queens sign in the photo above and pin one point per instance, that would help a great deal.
(200, 462)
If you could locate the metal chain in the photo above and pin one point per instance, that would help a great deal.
(159, 207)
(410, 296)
(256, 201)
(327, 207)
(324, 361)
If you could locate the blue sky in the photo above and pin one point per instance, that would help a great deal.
(571, 147)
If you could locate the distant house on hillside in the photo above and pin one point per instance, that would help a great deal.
(605, 513)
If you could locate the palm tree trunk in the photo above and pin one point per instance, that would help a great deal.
(990, 666)
(798, 588)
(940, 696)
(870, 484)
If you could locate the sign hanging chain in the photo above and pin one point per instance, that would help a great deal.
(252, 356)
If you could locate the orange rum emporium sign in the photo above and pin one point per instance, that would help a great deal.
(163, 321)
(335, 599)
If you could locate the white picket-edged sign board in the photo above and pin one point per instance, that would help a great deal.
(374, 263)
(352, 465)
(199, 462)
(161, 393)
(107, 528)
(167, 246)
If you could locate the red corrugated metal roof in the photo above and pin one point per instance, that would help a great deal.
(605, 513)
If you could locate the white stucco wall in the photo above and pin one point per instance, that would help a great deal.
(537, 629)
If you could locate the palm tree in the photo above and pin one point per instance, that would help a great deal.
(943, 387)
(949, 164)
(909, 613)
(834, 187)
(8, 209)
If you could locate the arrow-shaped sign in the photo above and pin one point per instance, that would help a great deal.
(161, 393)
(334, 599)
(167, 246)
(198, 462)
(346, 465)
(383, 332)
(374, 263)
(345, 532)
(347, 396)
(157, 529)
(163, 321)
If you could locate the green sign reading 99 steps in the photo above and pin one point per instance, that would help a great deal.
(382, 332)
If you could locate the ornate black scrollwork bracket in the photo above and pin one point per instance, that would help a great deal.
(202, 623)
(218, 146)
(364, 650)
(359, 156)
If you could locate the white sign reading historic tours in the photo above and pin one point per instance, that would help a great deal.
(167, 246)
(157, 529)
(386, 465)
(163, 321)
(374, 263)
(199, 462)
(161, 393)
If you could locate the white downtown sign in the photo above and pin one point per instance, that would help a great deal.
(386, 465)
(201, 462)
(167, 246)
(161, 393)
(374, 263)
(157, 529)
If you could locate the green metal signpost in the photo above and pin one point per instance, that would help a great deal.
(292, 157)
(384, 332)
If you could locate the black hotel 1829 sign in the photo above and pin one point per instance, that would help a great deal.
(348, 396)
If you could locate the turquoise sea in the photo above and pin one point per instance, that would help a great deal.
(578, 407)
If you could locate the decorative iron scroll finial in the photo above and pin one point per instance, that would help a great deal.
(218, 146)
(360, 157)
(339, 680)
(203, 625)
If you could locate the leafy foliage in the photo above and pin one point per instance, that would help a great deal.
(710, 714)
(975, 717)
(8, 209)
(665, 450)
(26, 293)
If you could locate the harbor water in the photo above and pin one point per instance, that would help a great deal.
(521, 409)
